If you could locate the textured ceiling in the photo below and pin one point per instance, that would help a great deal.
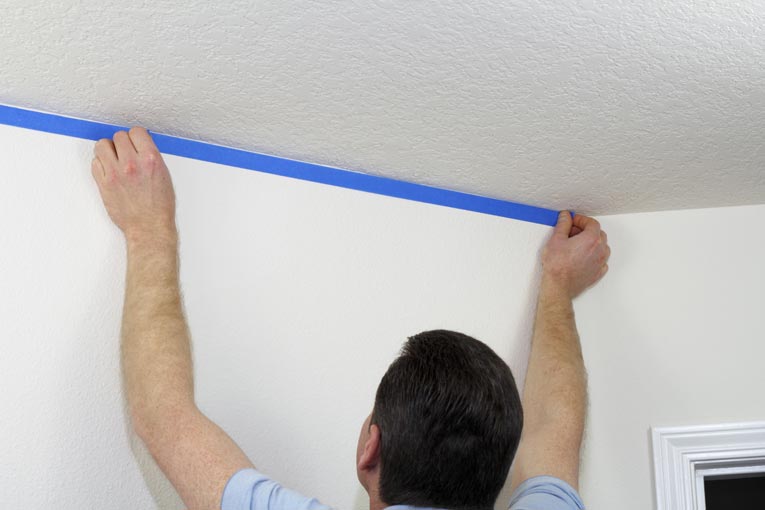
(604, 107)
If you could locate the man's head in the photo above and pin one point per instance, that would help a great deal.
(445, 426)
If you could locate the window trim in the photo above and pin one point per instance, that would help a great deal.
(683, 456)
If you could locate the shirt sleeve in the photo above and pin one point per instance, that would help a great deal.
(249, 489)
(545, 493)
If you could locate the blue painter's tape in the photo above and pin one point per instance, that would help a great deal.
(91, 130)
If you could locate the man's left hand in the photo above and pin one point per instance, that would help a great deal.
(135, 185)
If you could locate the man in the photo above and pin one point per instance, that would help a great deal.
(447, 418)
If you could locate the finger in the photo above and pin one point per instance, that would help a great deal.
(125, 148)
(97, 169)
(603, 271)
(142, 140)
(586, 223)
(563, 227)
(575, 230)
(604, 236)
(106, 152)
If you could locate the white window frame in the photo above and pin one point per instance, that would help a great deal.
(684, 456)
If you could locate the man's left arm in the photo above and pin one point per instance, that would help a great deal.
(196, 455)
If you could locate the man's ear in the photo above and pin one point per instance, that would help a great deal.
(370, 456)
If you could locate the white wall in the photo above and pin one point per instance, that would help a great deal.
(298, 296)
(673, 335)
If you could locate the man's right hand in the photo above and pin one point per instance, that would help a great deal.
(576, 255)
(555, 391)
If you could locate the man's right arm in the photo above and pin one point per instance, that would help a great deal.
(555, 391)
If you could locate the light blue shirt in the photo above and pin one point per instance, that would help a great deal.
(249, 489)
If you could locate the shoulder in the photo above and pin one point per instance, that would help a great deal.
(249, 488)
(545, 493)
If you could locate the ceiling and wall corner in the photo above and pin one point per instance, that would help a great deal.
(612, 108)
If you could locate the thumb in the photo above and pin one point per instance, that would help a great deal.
(563, 227)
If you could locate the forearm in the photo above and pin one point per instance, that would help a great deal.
(555, 390)
(156, 353)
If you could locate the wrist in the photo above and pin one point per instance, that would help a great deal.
(158, 238)
(553, 285)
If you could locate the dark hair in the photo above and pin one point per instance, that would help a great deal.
(450, 420)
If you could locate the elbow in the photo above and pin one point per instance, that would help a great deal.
(565, 425)
(139, 420)
(151, 422)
